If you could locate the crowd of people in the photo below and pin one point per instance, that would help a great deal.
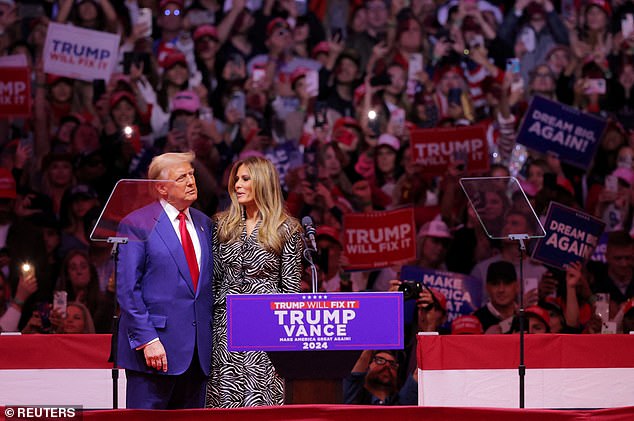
(329, 91)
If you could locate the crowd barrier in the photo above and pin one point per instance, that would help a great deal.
(563, 371)
(57, 370)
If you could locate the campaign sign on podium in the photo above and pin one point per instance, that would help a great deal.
(315, 321)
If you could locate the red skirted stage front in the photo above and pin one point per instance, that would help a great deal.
(562, 371)
(360, 413)
(73, 370)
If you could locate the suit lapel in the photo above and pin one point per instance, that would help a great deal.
(165, 230)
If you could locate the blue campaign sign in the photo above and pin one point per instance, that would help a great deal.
(315, 321)
(551, 127)
(285, 157)
(463, 292)
(571, 236)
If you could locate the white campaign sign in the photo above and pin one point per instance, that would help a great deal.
(80, 53)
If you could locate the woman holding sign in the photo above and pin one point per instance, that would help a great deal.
(257, 249)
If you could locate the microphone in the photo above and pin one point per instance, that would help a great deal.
(307, 223)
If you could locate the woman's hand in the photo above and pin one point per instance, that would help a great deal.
(573, 274)
(34, 325)
(57, 320)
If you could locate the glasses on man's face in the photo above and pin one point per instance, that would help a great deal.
(383, 361)
(175, 12)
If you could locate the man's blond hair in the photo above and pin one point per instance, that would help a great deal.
(161, 164)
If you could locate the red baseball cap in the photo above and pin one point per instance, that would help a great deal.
(601, 4)
(297, 74)
(540, 313)
(390, 141)
(172, 58)
(345, 122)
(466, 325)
(163, 4)
(328, 231)
(118, 96)
(440, 298)
(52, 79)
(275, 24)
(205, 30)
(320, 48)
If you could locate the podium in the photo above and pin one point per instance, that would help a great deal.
(315, 339)
(314, 376)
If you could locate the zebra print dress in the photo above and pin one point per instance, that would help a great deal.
(240, 379)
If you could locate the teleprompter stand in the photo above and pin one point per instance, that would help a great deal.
(126, 197)
(506, 214)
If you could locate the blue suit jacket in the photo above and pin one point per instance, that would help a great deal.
(156, 294)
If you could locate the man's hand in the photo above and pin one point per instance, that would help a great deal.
(574, 274)
(155, 356)
(547, 285)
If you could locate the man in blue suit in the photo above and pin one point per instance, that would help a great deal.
(164, 290)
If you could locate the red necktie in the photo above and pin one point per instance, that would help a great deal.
(188, 247)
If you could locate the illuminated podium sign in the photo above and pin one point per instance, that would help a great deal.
(315, 321)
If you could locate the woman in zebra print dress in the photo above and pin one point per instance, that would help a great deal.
(257, 249)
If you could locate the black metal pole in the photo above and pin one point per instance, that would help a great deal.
(522, 367)
(115, 333)
(115, 322)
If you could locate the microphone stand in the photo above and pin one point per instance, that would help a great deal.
(521, 368)
(308, 255)
(115, 241)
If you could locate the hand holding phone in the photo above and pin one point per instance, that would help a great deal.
(321, 109)
(312, 83)
(237, 102)
(60, 302)
(513, 65)
(257, 75)
(397, 120)
(454, 96)
(595, 86)
(383, 79)
(476, 41)
(611, 183)
(44, 310)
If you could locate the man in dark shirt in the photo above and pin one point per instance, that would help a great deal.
(374, 381)
(616, 277)
(502, 287)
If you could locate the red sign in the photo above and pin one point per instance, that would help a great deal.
(435, 149)
(379, 239)
(15, 92)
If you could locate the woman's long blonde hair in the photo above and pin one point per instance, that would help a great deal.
(267, 191)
